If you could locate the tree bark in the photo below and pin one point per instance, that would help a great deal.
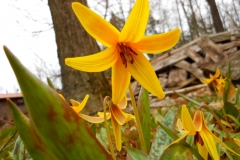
(215, 16)
(73, 41)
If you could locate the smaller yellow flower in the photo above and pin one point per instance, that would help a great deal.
(203, 137)
(77, 107)
(212, 78)
(118, 118)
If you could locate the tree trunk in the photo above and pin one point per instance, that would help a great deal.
(73, 41)
(215, 16)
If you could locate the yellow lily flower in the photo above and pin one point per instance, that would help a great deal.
(125, 49)
(77, 107)
(203, 137)
(118, 118)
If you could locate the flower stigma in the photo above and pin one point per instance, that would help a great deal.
(126, 53)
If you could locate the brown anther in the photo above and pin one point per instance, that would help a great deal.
(198, 139)
(126, 53)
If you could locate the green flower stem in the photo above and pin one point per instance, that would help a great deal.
(235, 148)
(139, 127)
(107, 129)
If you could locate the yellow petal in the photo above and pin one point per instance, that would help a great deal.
(117, 133)
(187, 120)
(217, 74)
(128, 117)
(77, 107)
(94, 119)
(237, 141)
(118, 114)
(206, 132)
(178, 140)
(206, 81)
(94, 63)
(101, 114)
(209, 143)
(158, 43)
(136, 23)
(120, 81)
(62, 97)
(180, 127)
(123, 103)
(202, 150)
(197, 120)
(95, 25)
(143, 72)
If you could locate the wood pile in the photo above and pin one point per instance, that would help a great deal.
(187, 65)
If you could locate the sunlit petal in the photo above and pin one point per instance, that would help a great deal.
(143, 72)
(202, 150)
(94, 119)
(209, 143)
(123, 103)
(209, 133)
(118, 114)
(158, 43)
(187, 119)
(77, 107)
(136, 23)
(95, 25)
(117, 133)
(120, 81)
(94, 63)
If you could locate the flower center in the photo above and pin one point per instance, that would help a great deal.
(198, 139)
(126, 53)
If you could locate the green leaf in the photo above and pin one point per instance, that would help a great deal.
(50, 84)
(135, 154)
(53, 119)
(34, 144)
(162, 139)
(143, 106)
(177, 152)
(19, 151)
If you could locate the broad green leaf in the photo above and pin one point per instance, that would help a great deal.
(34, 144)
(135, 154)
(162, 139)
(177, 152)
(143, 106)
(19, 151)
(53, 119)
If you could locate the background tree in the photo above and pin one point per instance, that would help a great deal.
(215, 16)
(73, 41)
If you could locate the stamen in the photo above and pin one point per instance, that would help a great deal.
(198, 139)
(126, 53)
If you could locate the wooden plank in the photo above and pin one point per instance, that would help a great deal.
(211, 49)
(187, 66)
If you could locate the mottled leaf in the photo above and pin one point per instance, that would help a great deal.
(53, 119)
(135, 154)
(143, 106)
(177, 152)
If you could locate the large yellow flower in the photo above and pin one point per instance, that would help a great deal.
(125, 49)
(203, 137)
